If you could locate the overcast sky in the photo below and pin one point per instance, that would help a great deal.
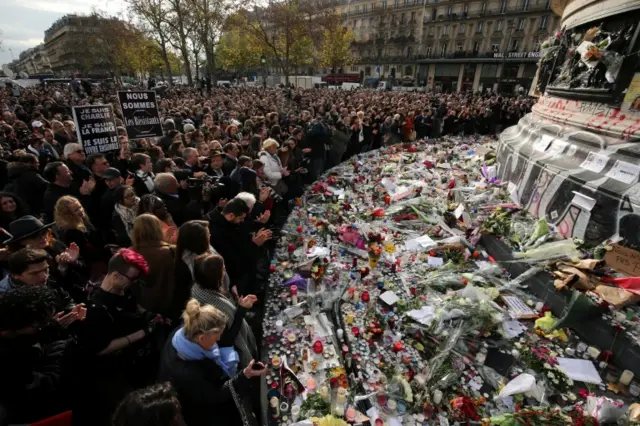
(23, 22)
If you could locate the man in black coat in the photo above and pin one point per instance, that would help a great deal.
(167, 189)
(31, 362)
(26, 182)
(60, 177)
(231, 152)
(238, 249)
(75, 158)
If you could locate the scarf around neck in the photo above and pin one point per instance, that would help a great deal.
(226, 358)
(128, 215)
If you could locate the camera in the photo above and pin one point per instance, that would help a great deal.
(273, 194)
(198, 184)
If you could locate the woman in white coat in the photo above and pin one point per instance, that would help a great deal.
(273, 169)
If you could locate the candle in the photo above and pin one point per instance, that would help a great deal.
(392, 405)
(593, 352)
(626, 377)
(620, 316)
(569, 352)
(295, 412)
(356, 295)
(324, 393)
(437, 396)
(275, 407)
(294, 294)
(284, 407)
(279, 326)
(634, 389)
(291, 337)
(349, 319)
(481, 356)
(539, 306)
(340, 333)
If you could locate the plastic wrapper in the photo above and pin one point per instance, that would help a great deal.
(518, 282)
(524, 384)
(603, 409)
(435, 378)
(553, 250)
(491, 376)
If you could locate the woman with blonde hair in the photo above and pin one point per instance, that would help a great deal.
(157, 291)
(72, 225)
(205, 374)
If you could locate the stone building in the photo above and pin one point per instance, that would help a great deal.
(487, 45)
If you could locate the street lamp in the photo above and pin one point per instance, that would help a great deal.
(263, 62)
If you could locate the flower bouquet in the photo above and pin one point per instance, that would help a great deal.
(375, 251)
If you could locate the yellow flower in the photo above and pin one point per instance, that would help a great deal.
(328, 420)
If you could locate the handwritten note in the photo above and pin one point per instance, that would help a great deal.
(623, 259)
(624, 172)
(594, 162)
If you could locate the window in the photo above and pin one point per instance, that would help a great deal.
(357, 9)
(354, 68)
(547, 4)
(443, 49)
(525, 5)
(479, 26)
(445, 30)
(373, 6)
(465, 10)
(434, 12)
(543, 22)
(449, 11)
(431, 31)
(402, 18)
(406, 2)
(384, 4)
(484, 8)
(459, 47)
(461, 29)
(364, 8)
(503, 6)
(521, 24)
(386, 68)
(409, 52)
(395, 4)
(515, 45)
(495, 45)
(428, 51)
(499, 26)
(476, 46)
(413, 17)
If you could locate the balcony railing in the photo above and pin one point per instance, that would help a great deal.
(435, 55)
(486, 13)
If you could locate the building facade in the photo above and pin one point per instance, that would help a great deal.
(452, 46)
(33, 61)
(65, 43)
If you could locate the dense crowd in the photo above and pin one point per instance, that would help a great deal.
(148, 265)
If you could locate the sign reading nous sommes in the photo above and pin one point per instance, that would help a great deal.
(140, 114)
(96, 128)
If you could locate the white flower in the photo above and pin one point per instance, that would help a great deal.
(518, 345)
(547, 366)
(569, 381)
(556, 382)
(550, 375)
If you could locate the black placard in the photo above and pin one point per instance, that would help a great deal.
(140, 113)
(96, 128)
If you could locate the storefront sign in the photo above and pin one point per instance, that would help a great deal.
(518, 55)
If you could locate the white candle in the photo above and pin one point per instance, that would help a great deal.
(295, 412)
(324, 393)
(626, 377)
(569, 352)
(593, 352)
(620, 316)
(340, 333)
(437, 396)
(279, 326)
(392, 405)
(275, 406)
(539, 306)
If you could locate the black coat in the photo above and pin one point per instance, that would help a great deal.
(229, 165)
(28, 184)
(234, 245)
(32, 386)
(175, 206)
(51, 196)
(203, 395)
(80, 174)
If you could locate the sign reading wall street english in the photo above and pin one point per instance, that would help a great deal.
(96, 128)
(140, 114)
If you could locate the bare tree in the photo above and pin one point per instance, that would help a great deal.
(181, 24)
(153, 15)
(209, 18)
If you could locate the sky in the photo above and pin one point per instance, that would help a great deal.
(23, 22)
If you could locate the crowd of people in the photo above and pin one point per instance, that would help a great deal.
(133, 281)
